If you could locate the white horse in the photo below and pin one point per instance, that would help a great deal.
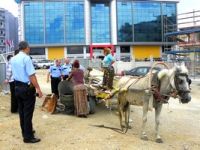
(169, 82)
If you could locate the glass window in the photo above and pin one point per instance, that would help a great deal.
(37, 51)
(147, 21)
(34, 22)
(125, 49)
(124, 21)
(75, 50)
(169, 18)
(100, 22)
(74, 17)
(54, 12)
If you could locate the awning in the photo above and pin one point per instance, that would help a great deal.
(181, 51)
(183, 32)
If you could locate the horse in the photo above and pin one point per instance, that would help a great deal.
(164, 84)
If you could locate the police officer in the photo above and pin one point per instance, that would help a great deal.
(66, 69)
(55, 73)
(26, 86)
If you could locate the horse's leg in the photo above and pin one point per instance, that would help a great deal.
(127, 114)
(120, 109)
(158, 109)
(144, 118)
(121, 116)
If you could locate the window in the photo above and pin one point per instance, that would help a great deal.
(34, 22)
(141, 21)
(100, 20)
(37, 51)
(74, 17)
(125, 49)
(54, 22)
(124, 21)
(75, 50)
(147, 21)
(169, 17)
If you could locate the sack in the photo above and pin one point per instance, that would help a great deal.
(68, 102)
(50, 103)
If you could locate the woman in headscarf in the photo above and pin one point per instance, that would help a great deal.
(80, 91)
(108, 69)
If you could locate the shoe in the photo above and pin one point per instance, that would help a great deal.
(82, 116)
(14, 112)
(32, 140)
(33, 131)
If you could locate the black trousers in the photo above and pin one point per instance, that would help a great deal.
(14, 102)
(26, 101)
(54, 85)
(65, 77)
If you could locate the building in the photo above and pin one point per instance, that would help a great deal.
(8, 31)
(187, 35)
(82, 28)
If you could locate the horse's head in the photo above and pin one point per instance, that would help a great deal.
(179, 81)
(182, 81)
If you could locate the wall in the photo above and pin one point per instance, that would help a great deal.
(55, 53)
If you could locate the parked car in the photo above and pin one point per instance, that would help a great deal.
(36, 66)
(45, 64)
(139, 71)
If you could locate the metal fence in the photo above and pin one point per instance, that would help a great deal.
(2, 70)
(192, 66)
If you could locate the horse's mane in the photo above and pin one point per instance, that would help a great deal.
(170, 72)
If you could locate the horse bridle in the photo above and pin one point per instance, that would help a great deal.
(177, 81)
(175, 91)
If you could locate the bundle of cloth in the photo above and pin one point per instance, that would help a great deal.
(93, 81)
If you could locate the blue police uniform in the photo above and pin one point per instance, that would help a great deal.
(65, 70)
(55, 72)
(22, 68)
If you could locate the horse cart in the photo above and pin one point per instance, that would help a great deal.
(96, 93)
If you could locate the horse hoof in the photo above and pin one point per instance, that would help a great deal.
(145, 138)
(159, 140)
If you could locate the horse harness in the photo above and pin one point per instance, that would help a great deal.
(155, 88)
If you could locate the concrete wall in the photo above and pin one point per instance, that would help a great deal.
(2, 72)
(118, 65)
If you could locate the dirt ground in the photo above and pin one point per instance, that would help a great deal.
(180, 127)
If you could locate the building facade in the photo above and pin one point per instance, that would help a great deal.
(8, 31)
(82, 28)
